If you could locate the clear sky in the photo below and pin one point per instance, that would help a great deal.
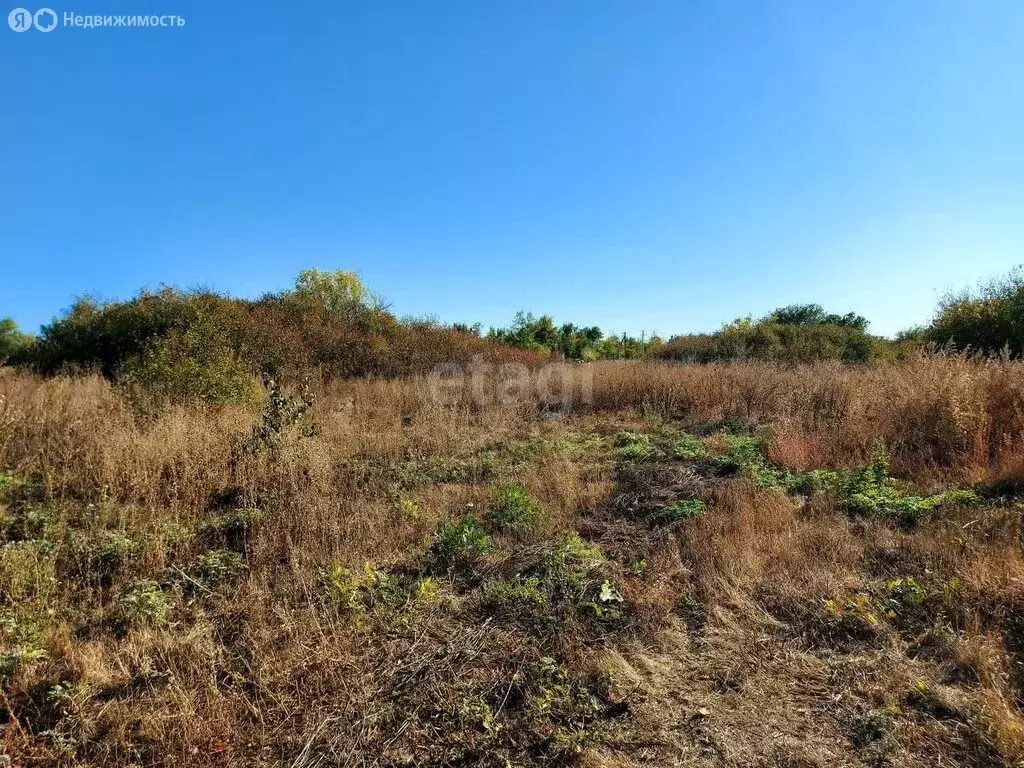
(638, 164)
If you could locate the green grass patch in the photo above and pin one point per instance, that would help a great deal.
(682, 510)
(633, 445)
(687, 446)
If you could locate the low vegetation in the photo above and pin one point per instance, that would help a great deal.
(699, 563)
(214, 554)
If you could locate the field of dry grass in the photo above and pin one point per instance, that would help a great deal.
(735, 565)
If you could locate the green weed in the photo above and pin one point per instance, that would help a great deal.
(512, 509)
(27, 522)
(408, 507)
(682, 510)
(517, 592)
(218, 566)
(233, 528)
(744, 455)
(687, 446)
(21, 628)
(356, 592)
(144, 602)
(606, 603)
(27, 571)
(456, 542)
(871, 491)
(116, 550)
(633, 445)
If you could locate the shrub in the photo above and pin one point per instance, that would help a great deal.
(218, 566)
(188, 365)
(201, 345)
(91, 335)
(356, 592)
(795, 334)
(13, 342)
(512, 509)
(144, 602)
(989, 319)
(454, 543)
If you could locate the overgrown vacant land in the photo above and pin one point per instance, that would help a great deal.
(731, 564)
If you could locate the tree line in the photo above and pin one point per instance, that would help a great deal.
(207, 345)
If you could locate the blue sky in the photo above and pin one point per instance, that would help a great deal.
(656, 165)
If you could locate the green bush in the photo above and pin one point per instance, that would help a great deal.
(454, 543)
(144, 602)
(512, 509)
(103, 336)
(794, 334)
(13, 343)
(218, 566)
(871, 491)
(201, 345)
(989, 319)
(189, 365)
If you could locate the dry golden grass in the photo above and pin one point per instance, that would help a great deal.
(756, 633)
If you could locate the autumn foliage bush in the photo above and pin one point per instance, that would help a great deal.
(201, 345)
